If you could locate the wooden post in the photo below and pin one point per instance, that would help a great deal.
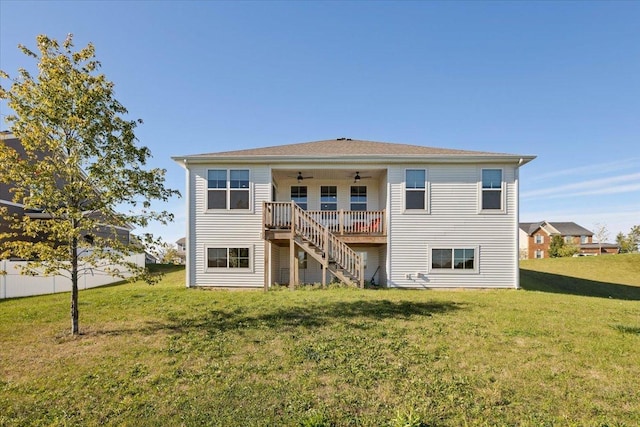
(264, 215)
(384, 222)
(325, 261)
(292, 264)
(341, 221)
(267, 264)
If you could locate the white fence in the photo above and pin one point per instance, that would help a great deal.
(13, 284)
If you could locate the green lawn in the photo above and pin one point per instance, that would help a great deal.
(564, 352)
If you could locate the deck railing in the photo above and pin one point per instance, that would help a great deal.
(277, 215)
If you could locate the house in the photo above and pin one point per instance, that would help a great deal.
(535, 239)
(182, 249)
(150, 258)
(123, 233)
(396, 215)
(12, 283)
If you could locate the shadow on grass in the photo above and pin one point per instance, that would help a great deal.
(354, 314)
(320, 315)
(164, 268)
(554, 283)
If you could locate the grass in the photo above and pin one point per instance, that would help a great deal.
(561, 353)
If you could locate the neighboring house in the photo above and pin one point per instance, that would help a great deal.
(17, 208)
(13, 284)
(150, 258)
(182, 249)
(398, 215)
(535, 239)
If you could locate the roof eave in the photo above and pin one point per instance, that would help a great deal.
(347, 159)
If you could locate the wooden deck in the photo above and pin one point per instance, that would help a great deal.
(355, 227)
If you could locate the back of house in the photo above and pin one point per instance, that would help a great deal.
(393, 215)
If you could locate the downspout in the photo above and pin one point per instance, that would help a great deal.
(187, 243)
(517, 224)
(388, 225)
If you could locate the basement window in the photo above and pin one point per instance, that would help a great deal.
(461, 260)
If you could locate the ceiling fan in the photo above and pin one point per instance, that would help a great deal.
(300, 177)
(357, 177)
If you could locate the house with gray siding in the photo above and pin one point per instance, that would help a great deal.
(393, 215)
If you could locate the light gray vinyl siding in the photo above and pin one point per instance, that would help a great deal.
(228, 229)
(453, 221)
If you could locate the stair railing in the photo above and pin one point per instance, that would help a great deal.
(306, 226)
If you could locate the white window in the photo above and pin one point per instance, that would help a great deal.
(584, 239)
(415, 189)
(228, 189)
(299, 195)
(358, 198)
(539, 239)
(328, 198)
(454, 259)
(228, 258)
(491, 198)
(539, 254)
(568, 239)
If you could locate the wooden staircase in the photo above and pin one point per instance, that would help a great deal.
(319, 242)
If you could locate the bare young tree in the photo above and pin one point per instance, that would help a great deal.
(602, 234)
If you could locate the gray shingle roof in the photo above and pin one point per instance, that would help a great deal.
(345, 147)
(564, 228)
(530, 227)
(570, 229)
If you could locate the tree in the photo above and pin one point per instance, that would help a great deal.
(634, 238)
(601, 234)
(556, 245)
(622, 242)
(80, 163)
(629, 243)
(166, 253)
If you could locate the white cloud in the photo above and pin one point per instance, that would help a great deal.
(591, 170)
(590, 187)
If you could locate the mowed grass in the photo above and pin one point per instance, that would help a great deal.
(167, 355)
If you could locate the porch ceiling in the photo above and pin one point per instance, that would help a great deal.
(327, 174)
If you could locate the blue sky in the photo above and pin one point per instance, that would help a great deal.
(560, 80)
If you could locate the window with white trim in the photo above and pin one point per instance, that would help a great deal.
(491, 189)
(228, 257)
(539, 254)
(228, 189)
(584, 239)
(299, 195)
(358, 198)
(328, 198)
(453, 259)
(539, 239)
(415, 189)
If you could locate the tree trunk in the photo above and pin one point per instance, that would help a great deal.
(75, 314)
